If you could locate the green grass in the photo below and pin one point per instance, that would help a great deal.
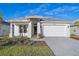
(24, 50)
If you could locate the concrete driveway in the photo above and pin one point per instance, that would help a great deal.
(62, 46)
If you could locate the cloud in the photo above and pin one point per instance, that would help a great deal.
(62, 10)
(38, 10)
(50, 10)
(41, 8)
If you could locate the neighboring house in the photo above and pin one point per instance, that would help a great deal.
(74, 30)
(4, 29)
(38, 25)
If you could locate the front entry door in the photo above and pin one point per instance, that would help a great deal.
(35, 29)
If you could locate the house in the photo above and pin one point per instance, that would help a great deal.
(39, 26)
(74, 28)
(4, 28)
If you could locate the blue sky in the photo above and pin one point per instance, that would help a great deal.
(55, 10)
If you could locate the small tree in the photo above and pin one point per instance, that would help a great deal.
(1, 21)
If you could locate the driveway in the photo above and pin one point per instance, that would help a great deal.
(62, 46)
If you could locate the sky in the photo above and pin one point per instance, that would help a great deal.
(66, 11)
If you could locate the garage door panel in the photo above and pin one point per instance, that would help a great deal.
(55, 31)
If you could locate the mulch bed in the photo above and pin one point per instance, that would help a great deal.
(40, 43)
(22, 42)
(3, 42)
(75, 37)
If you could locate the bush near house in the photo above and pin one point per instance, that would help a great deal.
(40, 36)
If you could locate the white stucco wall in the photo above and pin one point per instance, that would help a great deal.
(38, 28)
(16, 30)
(10, 34)
(29, 30)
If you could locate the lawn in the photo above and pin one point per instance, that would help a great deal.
(24, 50)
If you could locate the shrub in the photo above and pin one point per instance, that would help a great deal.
(40, 36)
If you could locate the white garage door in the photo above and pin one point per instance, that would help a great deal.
(56, 31)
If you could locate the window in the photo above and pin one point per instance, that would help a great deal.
(25, 29)
(12, 28)
(22, 29)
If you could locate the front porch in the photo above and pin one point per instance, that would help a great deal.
(30, 29)
(20, 28)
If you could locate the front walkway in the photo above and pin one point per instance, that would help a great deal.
(63, 46)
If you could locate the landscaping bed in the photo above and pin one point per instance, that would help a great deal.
(24, 47)
(75, 37)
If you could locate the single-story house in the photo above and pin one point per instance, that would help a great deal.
(39, 26)
(4, 28)
(74, 29)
